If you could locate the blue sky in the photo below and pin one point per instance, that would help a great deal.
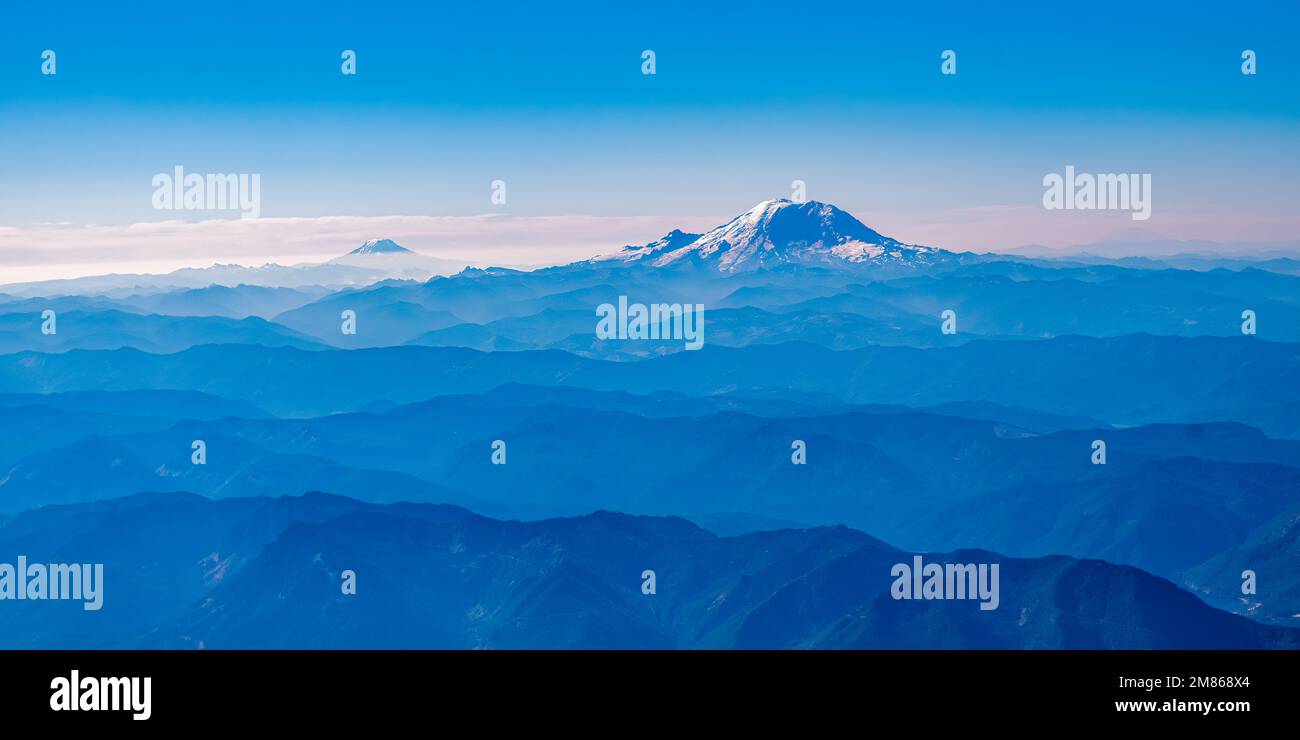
(845, 96)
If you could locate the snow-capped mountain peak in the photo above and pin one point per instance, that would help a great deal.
(777, 232)
(783, 231)
(380, 246)
(392, 260)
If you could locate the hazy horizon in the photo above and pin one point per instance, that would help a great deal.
(596, 155)
(480, 241)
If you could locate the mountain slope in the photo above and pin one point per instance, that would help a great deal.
(352, 269)
(1045, 603)
(267, 573)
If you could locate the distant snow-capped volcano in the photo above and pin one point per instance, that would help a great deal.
(777, 232)
(396, 261)
(381, 246)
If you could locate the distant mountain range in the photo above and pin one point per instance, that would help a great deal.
(554, 309)
(111, 329)
(373, 261)
(1146, 246)
(1137, 379)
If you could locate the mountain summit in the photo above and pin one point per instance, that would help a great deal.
(381, 246)
(386, 259)
(777, 232)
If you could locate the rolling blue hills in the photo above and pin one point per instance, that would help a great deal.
(1123, 380)
(260, 572)
(113, 329)
(1170, 498)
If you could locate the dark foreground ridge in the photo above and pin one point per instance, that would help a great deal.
(183, 571)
